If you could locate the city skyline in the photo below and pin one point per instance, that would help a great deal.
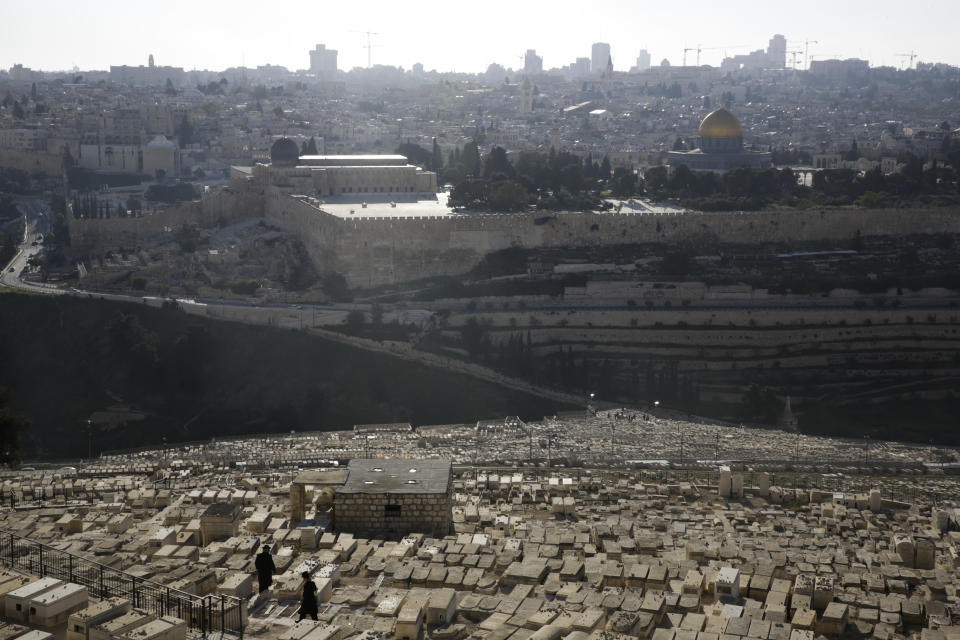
(449, 39)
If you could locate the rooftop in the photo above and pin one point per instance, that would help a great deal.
(396, 476)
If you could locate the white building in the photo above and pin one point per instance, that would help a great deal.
(599, 57)
(358, 177)
(323, 61)
(643, 61)
(532, 63)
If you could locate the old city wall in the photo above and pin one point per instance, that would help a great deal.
(213, 207)
(50, 163)
(320, 232)
(376, 251)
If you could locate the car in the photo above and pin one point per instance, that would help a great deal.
(11, 269)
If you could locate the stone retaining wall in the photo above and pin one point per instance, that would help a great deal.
(368, 514)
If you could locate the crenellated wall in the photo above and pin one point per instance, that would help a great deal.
(377, 251)
(370, 251)
(214, 206)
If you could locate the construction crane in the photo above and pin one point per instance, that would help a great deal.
(367, 46)
(698, 49)
(793, 55)
(806, 52)
(912, 56)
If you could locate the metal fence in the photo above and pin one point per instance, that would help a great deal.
(203, 614)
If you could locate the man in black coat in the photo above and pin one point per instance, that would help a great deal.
(308, 605)
(265, 568)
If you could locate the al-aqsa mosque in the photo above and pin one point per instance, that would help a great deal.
(721, 147)
(351, 177)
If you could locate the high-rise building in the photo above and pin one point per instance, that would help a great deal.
(599, 57)
(774, 57)
(532, 63)
(777, 52)
(526, 96)
(323, 61)
(643, 60)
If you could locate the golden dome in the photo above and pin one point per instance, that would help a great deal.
(721, 124)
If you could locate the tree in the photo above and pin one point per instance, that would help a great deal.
(355, 319)
(415, 154)
(508, 195)
(437, 156)
(759, 402)
(335, 286)
(18, 110)
(656, 178)
(311, 147)
(471, 159)
(185, 131)
(605, 168)
(572, 178)
(498, 163)
(624, 183)
(169, 89)
(188, 237)
(854, 153)
(11, 424)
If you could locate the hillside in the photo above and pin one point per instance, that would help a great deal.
(192, 378)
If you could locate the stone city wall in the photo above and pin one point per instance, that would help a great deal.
(49, 163)
(320, 232)
(376, 251)
(370, 252)
(214, 206)
(363, 513)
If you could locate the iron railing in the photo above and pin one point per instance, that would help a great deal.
(203, 614)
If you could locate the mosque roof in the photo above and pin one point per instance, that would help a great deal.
(284, 152)
(721, 124)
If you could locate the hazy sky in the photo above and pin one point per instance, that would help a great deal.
(453, 35)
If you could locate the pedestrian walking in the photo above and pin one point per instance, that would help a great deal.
(308, 606)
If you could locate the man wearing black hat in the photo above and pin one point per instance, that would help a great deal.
(265, 568)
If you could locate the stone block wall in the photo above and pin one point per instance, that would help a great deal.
(215, 528)
(298, 499)
(375, 251)
(226, 205)
(393, 514)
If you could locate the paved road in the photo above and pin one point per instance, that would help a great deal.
(11, 271)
